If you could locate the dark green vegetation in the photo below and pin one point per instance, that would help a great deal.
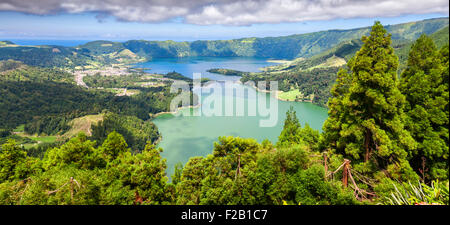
(136, 132)
(386, 138)
(227, 72)
(366, 122)
(134, 80)
(43, 101)
(424, 83)
(392, 128)
(240, 171)
(16, 71)
(177, 76)
(36, 102)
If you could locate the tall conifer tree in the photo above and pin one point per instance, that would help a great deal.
(366, 119)
(425, 85)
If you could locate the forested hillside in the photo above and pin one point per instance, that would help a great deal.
(287, 47)
(38, 106)
(386, 141)
(315, 75)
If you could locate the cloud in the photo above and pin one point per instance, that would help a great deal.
(229, 12)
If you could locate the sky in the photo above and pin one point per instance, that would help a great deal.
(183, 20)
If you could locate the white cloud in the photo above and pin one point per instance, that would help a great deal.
(230, 12)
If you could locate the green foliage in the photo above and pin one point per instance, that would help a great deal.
(410, 194)
(79, 173)
(17, 71)
(313, 189)
(424, 83)
(293, 133)
(14, 163)
(441, 37)
(317, 81)
(240, 171)
(78, 152)
(366, 116)
(176, 177)
(9, 65)
(113, 146)
(366, 124)
(291, 128)
(44, 100)
(49, 125)
(133, 80)
(227, 72)
(135, 131)
(144, 173)
(188, 188)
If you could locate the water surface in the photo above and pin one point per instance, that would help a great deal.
(189, 65)
(185, 136)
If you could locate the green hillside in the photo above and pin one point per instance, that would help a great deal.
(441, 37)
(315, 75)
(300, 45)
(98, 53)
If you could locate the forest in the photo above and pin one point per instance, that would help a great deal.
(386, 141)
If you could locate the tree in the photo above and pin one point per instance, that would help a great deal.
(291, 129)
(366, 123)
(113, 146)
(78, 152)
(293, 133)
(188, 189)
(424, 83)
(10, 157)
(143, 174)
(337, 111)
(176, 176)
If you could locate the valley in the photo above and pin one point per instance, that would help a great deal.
(101, 112)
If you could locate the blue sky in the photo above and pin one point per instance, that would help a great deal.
(204, 20)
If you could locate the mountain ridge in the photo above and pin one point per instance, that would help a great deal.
(105, 52)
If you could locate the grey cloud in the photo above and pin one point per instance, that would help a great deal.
(229, 12)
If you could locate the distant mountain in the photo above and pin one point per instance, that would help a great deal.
(315, 75)
(6, 43)
(286, 47)
(347, 49)
(441, 37)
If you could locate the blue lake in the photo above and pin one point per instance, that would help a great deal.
(189, 65)
(185, 136)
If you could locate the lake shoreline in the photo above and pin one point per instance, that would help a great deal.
(178, 109)
(276, 94)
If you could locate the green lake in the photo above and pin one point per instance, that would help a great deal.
(185, 136)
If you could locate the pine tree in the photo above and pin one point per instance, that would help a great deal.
(113, 146)
(291, 129)
(333, 124)
(366, 114)
(425, 85)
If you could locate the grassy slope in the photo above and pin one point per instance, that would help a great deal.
(81, 124)
(290, 95)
